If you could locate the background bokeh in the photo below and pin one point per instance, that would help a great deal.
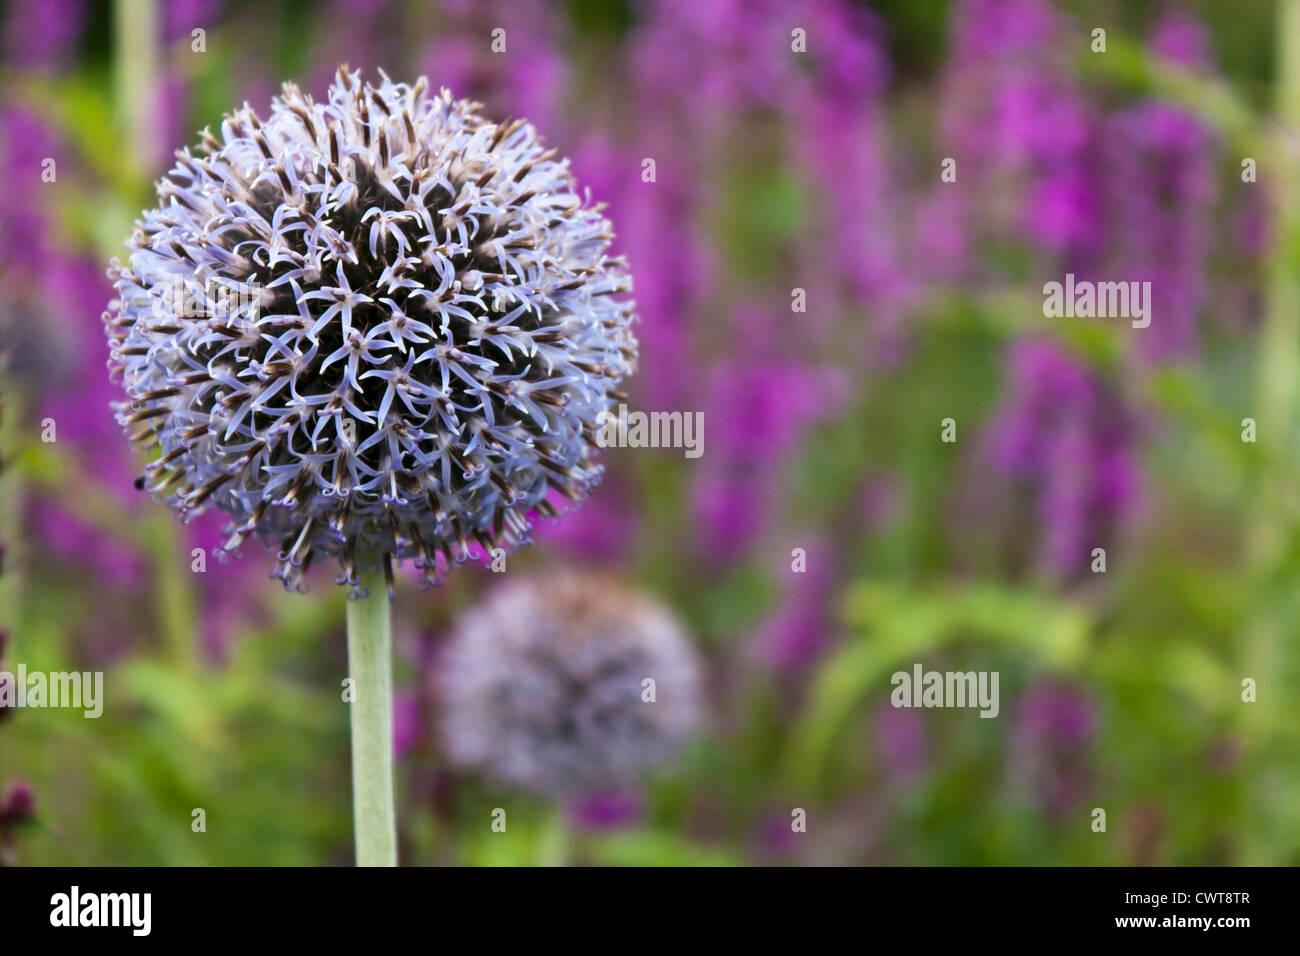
(775, 171)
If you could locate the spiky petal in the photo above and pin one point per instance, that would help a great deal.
(396, 328)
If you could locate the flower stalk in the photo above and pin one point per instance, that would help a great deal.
(370, 666)
(135, 63)
(1277, 375)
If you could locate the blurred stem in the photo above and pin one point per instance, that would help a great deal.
(370, 666)
(135, 23)
(553, 843)
(1278, 368)
(1275, 398)
(177, 611)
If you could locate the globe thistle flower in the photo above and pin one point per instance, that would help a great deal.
(375, 328)
(543, 686)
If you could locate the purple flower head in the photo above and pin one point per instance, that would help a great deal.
(231, 591)
(798, 630)
(1181, 37)
(600, 530)
(742, 44)
(1055, 725)
(407, 726)
(606, 811)
(1013, 112)
(25, 142)
(759, 407)
(44, 328)
(181, 17)
(673, 266)
(1163, 163)
(774, 837)
(902, 745)
(19, 805)
(526, 78)
(1067, 440)
(372, 328)
(41, 34)
(1061, 716)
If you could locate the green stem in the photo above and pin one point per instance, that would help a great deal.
(554, 840)
(370, 665)
(1268, 533)
(135, 25)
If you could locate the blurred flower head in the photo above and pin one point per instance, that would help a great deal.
(1050, 753)
(798, 629)
(42, 34)
(605, 811)
(1072, 444)
(902, 743)
(378, 327)
(19, 804)
(545, 686)
(17, 808)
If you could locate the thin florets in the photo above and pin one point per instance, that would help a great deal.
(375, 328)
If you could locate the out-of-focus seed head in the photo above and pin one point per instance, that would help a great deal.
(377, 327)
(542, 686)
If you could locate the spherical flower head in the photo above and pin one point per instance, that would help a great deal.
(544, 686)
(374, 328)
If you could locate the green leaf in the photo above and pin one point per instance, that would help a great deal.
(893, 625)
